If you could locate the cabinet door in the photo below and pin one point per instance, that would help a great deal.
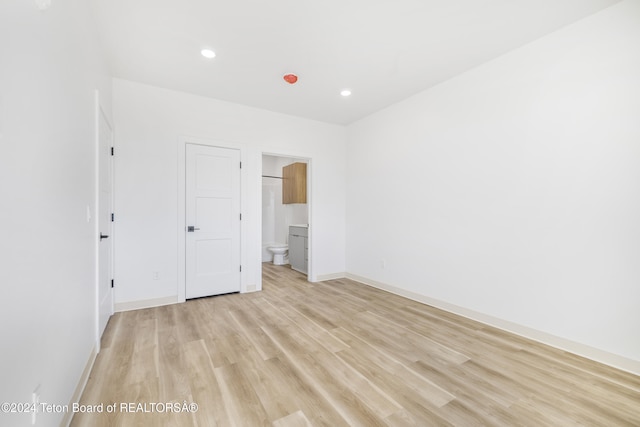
(305, 255)
(294, 183)
(296, 253)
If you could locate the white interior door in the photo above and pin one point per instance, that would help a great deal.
(212, 214)
(105, 247)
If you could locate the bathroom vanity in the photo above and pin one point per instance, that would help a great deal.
(298, 247)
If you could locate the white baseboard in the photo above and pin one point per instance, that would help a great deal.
(77, 394)
(333, 276)
(595, 354)
(147, 303)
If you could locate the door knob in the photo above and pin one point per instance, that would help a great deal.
(192, 228)
(103, 236)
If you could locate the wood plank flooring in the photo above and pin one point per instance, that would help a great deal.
(339, 353)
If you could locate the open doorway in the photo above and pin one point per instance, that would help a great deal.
(285, 226)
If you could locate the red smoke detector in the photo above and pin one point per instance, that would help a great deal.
(290, 78)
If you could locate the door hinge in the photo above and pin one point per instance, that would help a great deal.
(112, 151)
(113, 217)
(112, 283)
(240, 217)
(240, 165)
(240, 268)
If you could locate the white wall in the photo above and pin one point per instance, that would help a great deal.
(149, 124)
(49, 69)
(513, 190)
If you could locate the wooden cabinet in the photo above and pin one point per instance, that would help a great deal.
(294, 183)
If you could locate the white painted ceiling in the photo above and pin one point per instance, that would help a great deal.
(383, 50)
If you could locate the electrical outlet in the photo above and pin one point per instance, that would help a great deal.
(156, 275)
(383, 264)
(35, 400)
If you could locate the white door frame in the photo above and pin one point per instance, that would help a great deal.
(309, 160)
(182, 170)
(99, 112)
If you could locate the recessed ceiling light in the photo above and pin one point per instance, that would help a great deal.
(345, 92)
(208, 53)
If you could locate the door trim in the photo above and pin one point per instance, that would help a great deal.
(180, 226)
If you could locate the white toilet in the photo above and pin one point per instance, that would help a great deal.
(280, 254)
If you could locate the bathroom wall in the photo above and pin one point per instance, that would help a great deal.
(276, 217)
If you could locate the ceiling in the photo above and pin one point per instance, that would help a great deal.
(383, 50)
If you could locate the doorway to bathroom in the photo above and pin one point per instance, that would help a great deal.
(285, 223)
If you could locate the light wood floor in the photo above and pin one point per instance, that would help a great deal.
(340, 353)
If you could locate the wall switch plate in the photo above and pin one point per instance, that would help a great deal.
(43, 4)
(156, 275)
